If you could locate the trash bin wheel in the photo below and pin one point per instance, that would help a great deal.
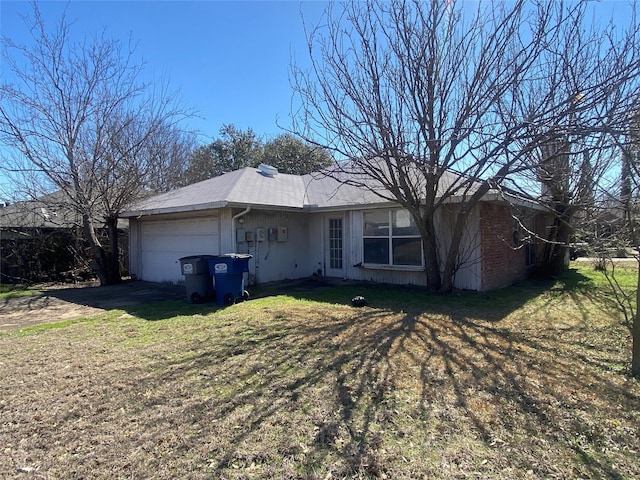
(245, 296)
(195, 297)
(228, 299)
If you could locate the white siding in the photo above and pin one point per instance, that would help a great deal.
(354, 243)
(316, 245)
(226, 237)
(272, 259)
(468, 275)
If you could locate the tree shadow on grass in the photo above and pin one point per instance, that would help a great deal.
(361, 393)
(154, 301)
(353, 392)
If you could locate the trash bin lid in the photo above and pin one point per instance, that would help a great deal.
(197, 257)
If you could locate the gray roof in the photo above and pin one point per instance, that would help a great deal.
(37, 214)
(247, 186)
(327, 192)
(253, 187)
(52, 210)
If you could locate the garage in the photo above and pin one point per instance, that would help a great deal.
(164, 242)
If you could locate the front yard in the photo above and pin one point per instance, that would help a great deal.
(530, 381)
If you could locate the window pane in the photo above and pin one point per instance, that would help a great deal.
(407, 251)
(376, 224)
(403, 224)
(376, 250)
(335, 243)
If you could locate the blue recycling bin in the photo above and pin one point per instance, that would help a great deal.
(228, 271)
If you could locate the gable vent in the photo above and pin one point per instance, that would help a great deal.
(267, 170)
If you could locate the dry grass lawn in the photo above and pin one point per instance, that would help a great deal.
(529, 382)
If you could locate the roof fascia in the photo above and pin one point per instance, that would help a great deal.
(264, 206)
(343, 208)
(500, 197)
(181, 209)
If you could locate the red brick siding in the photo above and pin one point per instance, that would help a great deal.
(501, 264)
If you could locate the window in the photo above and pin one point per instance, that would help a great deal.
(391, 238)
(335, 243)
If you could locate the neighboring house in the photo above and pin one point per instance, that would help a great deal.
(40, 240)
(298, 226)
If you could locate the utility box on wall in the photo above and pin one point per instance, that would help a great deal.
(283, 233)
(261, 235)
(272, 234)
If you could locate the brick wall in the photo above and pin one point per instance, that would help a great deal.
(501, 264)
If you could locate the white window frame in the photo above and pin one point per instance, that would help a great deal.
(390, 238)
(336, 243)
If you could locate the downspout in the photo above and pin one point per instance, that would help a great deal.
(233, 227)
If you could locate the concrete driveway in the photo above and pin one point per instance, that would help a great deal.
(62, 302)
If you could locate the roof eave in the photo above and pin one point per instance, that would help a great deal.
(500, 197)
(265, 206)
(209, 206)
(340, 208)
(177, 209)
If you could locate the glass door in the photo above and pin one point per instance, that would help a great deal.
(335, 247)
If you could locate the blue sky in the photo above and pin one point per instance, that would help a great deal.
(230, 60)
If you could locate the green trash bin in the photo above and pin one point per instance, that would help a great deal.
(197, 278)
(228, 271)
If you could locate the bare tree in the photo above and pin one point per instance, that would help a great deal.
(611, 232)
(77, 119)
(590, 74)
(167, 154)
(615, 229)
(409, 91)
(627, 303)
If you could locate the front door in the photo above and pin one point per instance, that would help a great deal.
(334, 250)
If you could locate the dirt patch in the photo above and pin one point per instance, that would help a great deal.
(59, 302)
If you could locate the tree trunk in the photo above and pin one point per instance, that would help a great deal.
(113, 255)
(464, 210)
(454, 249)
(102, 261)
(431, 257)
(553, 261)
(635, 333)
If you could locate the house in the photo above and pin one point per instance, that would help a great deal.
(298, 226)
(41, 240)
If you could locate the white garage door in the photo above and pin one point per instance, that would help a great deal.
(164, 242)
